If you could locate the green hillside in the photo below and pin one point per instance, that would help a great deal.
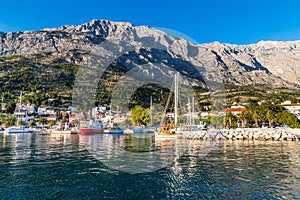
(44, 81)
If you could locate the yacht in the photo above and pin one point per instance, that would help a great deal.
(17, 129)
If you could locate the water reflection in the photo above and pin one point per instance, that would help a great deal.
(60, 166)
(133, 154)
(140, 153)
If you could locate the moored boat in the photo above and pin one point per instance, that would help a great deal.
(63, 132)
(17, 129)
(138, 129)
(113, 128)
(168, 130)
(59, 132)
(94, 127)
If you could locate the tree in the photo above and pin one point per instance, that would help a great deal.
(216, 121)
(51, 123)
(6, 124)
(10, 108)
(64, 120)
(2, 118)
(243, 117)
(140, 115)
(128, 122)
(20, 123)
(254, 114)
(32, 123)
(42, 121)
(75, 122)
(270, 116)
(229, 120)
(288, 119)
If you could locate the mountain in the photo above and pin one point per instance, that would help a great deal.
(268, 63)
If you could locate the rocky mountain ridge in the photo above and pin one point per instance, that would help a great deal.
(267, 62)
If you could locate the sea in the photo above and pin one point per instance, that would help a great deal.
(36, 166)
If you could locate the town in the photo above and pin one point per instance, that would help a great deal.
(238, 115)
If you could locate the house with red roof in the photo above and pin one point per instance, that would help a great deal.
(235, 110)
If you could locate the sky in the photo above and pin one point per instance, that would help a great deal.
(226, 21)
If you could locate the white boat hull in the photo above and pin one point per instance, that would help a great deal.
(113, 131)
(16, 130)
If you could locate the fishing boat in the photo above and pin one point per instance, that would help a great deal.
(113, 128)
(94, 127)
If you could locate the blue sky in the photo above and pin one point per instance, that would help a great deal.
(228, 21)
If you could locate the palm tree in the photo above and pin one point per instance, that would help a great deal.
(270, 115)
(6, 124)
(51, 123)
(43, 121)
(243, 117)
(32, 123)
(254, 114)
(229, 118)
(20, 123)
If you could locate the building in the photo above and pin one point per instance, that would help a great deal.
(293, 108)
(235, 110)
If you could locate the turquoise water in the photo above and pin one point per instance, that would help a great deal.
(66, 167)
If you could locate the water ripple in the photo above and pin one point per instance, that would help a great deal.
(61, 167)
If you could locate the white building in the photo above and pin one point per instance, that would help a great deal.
(293, 108)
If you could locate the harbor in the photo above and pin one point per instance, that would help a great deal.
(174, 100)
(66, 166)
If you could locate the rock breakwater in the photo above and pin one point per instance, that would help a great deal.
(242, 134)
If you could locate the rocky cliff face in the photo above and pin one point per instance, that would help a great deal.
(268, 63)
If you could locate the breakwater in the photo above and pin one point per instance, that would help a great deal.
(244, 134)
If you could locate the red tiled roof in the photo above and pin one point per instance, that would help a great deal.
(293, 104)
(233, 110)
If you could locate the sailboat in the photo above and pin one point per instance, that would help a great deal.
(151, 128)
(168, 130)
(192, 130)
(18, 129)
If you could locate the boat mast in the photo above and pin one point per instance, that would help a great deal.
(190, 113)
(3, 105)
(193, 110)
(21, 98)
(151, 117)
(176, 97)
